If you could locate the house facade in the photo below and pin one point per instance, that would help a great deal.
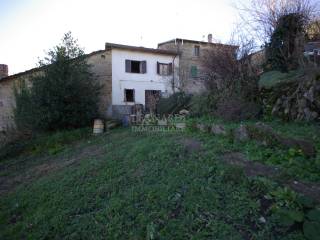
(139, 75)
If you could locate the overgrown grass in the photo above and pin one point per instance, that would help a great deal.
(272, 78)
(291, 161)
(45, 143)
(140, 186)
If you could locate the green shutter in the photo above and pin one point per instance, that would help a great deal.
(194, 71)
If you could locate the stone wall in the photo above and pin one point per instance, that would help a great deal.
(7, 99)
(101, 67)
(7, 105)
(187, 61)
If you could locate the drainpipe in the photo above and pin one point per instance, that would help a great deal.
(178, 53)
(174, 58)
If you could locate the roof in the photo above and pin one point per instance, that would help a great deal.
(194, 42)
(34, 70)
(30, 71)
(139, 49)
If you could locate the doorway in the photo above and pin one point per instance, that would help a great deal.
(151, 99)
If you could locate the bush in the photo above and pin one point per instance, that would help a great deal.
(173, 104)
(63, 96)
(204, 104)
(235, 108)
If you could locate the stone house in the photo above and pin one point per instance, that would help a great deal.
(191, 72)
(130, 75)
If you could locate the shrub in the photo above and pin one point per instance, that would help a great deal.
(203, 104)
(235, 108)
(174, 103)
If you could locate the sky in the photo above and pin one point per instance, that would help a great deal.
(28, 28)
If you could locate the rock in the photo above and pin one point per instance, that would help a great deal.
(262, 220)
(191, 145)
(267, 136)
(147, 116)
(315, 115)
(181, 125)
(263, 134)
(184, 112)
(112, 124)
(307, 113)
(302, 103)
(218, 129)
(241, 134)
(307, 147)
(202, 127)
(310, 94)
(264, 128)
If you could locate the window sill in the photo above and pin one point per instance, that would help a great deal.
(165, 75)
(135, 73)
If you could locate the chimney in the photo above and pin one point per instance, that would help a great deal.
(210, 38)
(3, 71)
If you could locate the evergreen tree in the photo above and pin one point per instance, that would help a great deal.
(65, 93)
(286, 44)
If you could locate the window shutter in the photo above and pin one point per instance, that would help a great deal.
(133, 95)
(194, 71)
(125, 95)
(158, 68)
(170, 69)
(144, 66)
(128, 66)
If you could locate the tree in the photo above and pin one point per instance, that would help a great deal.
(65, 93)
(282, 26)
(262, 16)
(228, 68)
(231, 79)
(284, 52)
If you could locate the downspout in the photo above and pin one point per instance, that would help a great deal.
(173, 85)
(178, 52)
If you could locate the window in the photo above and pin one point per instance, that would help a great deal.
(164, 69)
(136, 66)
(194, 71)
(196, 51)
(129, 95)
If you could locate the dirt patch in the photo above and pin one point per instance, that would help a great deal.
(27, 175)
(191, 145)
(253, 169)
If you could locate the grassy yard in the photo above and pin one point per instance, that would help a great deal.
(126, 185)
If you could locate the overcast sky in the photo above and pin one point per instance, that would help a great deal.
(29, 27)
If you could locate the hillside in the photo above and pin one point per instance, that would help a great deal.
(126, 185)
